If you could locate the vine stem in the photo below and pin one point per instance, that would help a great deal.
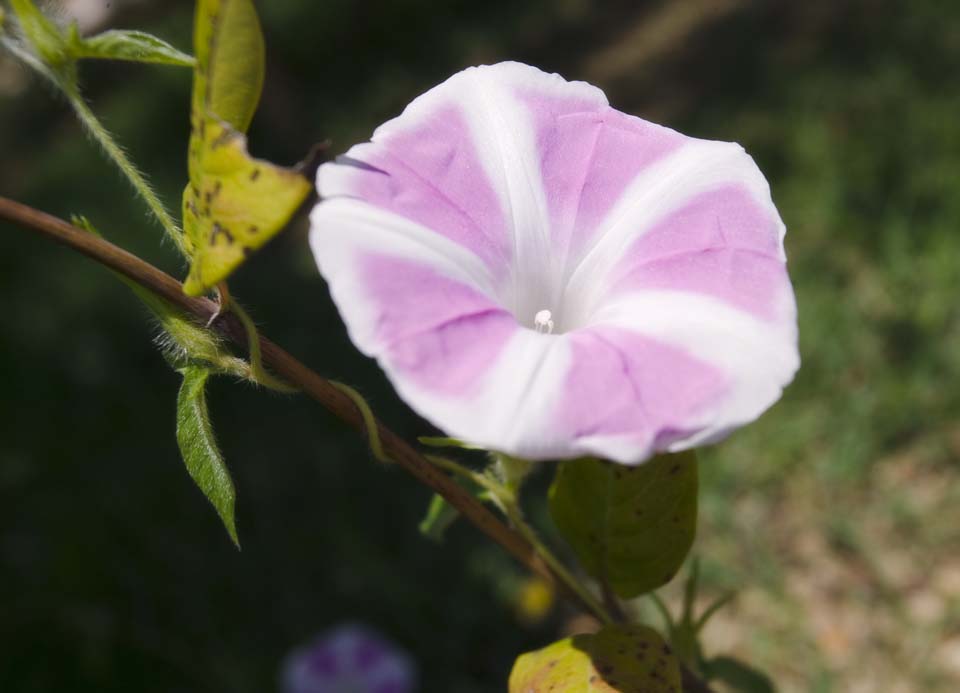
(130, 171)
(326, 393)
(506, 499)
(515, 514)
(318, 388)
(92, 124)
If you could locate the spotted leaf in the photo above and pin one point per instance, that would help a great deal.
(618, 659)
(233, 204)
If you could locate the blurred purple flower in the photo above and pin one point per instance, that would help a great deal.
(349, 659)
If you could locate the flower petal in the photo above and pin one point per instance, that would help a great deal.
(627, 396)
(504, 193)
(755, 357)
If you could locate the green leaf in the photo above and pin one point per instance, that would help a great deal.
(44, 36)
(629, 526)
(230, 61)
(440, 515)
(624, 659)
(135, 46)
(199, 447)
(739, 676)
(233, 204)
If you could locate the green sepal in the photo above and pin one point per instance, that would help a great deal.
(631, 527)
(441, 442)
(620, 658)
(133, 46)
(199, 449)
(440, 515)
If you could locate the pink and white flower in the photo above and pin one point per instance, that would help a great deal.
(542, 275)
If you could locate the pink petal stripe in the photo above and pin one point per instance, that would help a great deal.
(589, 154)
(721, 243)
(435, 331)
(430, 173)
(624, 384)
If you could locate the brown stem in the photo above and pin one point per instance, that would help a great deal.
(294, 372)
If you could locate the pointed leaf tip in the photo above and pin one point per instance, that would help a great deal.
(198, 446)
(134, 46)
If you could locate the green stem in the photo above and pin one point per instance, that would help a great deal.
(460, 470)
(260, 374)
(65, 80)
(506, 499)
(120, 158)
(515, 515)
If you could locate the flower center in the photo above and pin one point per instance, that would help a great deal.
(543, 322)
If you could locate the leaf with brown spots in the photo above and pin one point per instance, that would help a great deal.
(629, 526)
(618, 659)
(233, 205)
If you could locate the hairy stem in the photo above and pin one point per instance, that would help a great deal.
(321, 390)
(129, 170)
(280, 362)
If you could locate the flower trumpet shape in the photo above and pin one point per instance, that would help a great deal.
(542, 275)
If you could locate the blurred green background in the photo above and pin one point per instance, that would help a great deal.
(836, 517)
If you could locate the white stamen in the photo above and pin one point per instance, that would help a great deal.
(543, 322)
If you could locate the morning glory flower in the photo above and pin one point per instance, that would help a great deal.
(349, 659)
(542, 275)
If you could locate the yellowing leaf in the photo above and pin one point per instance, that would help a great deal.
(233, 205)
(618, 659)
(630, 526)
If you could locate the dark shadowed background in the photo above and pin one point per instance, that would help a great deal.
(836, 516)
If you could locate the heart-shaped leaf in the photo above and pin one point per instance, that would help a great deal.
(629, 526)
(618, 659)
